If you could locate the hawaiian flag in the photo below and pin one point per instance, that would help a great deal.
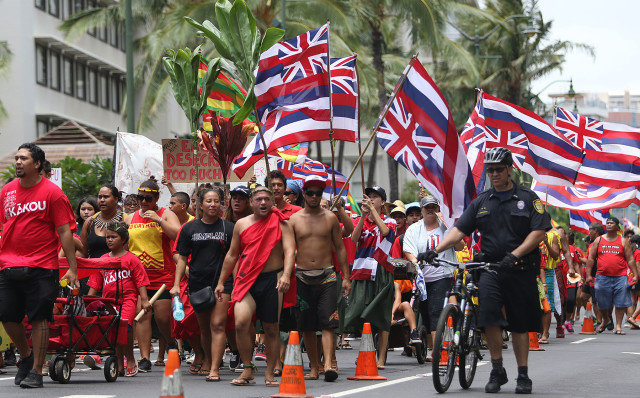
(341, 181)
(582, 131)
(618, 165)
(538, 148)
(419, 133)
(585, 197)
(290, 127)
(474, 143)
(580, 220)
(309, 167)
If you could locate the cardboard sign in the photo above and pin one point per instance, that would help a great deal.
(179, 162)
(56, 176)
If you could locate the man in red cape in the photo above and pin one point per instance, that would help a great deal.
(264, 248)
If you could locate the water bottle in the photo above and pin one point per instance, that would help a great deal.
(177, 308)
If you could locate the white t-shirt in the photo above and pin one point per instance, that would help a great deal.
(418, 240)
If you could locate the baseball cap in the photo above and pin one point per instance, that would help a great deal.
(314, 181)
(412, 205)
(398, 203)
(379, 190)
(242, 190)
(398, 210)
(429, 200)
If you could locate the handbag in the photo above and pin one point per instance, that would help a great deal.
(202, 299)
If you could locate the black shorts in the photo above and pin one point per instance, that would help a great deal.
(517, 291)
(318, 305)
(164, 296)
(432, 307)
(27, 291)
(265, 295)
(588, 289)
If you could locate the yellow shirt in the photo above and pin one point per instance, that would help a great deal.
(549, 262)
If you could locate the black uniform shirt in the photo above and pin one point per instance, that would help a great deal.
(504, 224)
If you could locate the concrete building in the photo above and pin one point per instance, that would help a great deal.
(52, 80)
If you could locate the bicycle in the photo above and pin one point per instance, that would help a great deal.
(457, 341)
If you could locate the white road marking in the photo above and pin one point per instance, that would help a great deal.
(76, 370)
(632, 353)
(583, 340)
(88, 396)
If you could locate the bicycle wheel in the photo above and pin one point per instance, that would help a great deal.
(469, 350)
(444, 349)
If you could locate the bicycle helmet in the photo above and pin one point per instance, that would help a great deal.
(498, 156)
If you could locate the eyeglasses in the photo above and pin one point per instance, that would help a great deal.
(289, 192)
(145, 198)
(313, 193)
(491, 170)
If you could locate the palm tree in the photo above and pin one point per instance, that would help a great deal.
(5, 60)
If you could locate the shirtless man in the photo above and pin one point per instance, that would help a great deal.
(317, 232)
(264, 244)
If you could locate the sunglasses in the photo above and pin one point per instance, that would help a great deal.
(289, 192)
(313, 193)
(145, 198)
(491, 170)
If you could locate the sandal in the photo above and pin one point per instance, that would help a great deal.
(212, 378)
(346, 346)
(601, 328)
(542, 340)
(159, 362)
(277, 372)
(194, 369)
(620, 332)
(204, 372)
(131, 371)
(243, 381)
(634, 325)
(309, 377)
(271, 383)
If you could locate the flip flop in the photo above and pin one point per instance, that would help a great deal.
(633, 324)
(277, 372)
(159, 362)
(600, 329)
(619, 332)
(543, 341)
(346, 346)
(309, 377)
(330, 375)
(195, 369)
(271, 383)
(212, 378)
(203, 372)
(241, 381)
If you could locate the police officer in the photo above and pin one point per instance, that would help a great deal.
(512, 222)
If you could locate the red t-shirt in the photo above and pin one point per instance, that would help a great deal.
(132, 276)
(611, 259)
(289, 209)
(396, 248)
(29, 219)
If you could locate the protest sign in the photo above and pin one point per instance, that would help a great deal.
(56, 176)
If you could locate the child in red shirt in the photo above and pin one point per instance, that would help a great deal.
(133, 281)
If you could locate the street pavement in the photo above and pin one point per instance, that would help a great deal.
(577, 366)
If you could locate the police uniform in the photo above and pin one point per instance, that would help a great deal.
(504, 220)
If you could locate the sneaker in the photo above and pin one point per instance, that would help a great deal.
(524, 385)
(144, 365)
(9, 358)
(234, 360)
(239, 368)
(24, 367)
(414, 337)
(568, 326)
(190, 359)
(33, 380)
(260, 355)
(496, 379)
(559, 332)
(91, 361)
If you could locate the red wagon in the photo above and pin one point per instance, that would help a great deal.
(73, 333)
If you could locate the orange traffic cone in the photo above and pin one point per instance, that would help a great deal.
(533, 342)
(587, 321)
(172, 380)
(367, 368)
(292, 382)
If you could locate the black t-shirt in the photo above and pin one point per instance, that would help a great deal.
(208, 245)
(504, 223)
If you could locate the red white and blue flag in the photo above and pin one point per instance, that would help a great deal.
(582, 131)
(309, 167)
(580, 220)
(538, 148)
(586, 197)
(283, 126)
(419, 133)
(474, 143)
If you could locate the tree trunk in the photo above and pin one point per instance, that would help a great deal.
(377, 42)
(319, 148)
(340, 156)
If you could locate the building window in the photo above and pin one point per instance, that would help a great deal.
(54, 8)
(81, 81)
(41, 4)
(67, 72)
(115, 93)
(91, 4)
(103, 89)
(92, 85)
(41, 64)
(123, 38)
(113, 36)
(54, 70)
(41, 128)
(78, 6)
(102, 33)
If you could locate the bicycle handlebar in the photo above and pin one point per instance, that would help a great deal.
(438, 262)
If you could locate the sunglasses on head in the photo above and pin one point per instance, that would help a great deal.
(491, 170)
(145, 198)
(313, 193)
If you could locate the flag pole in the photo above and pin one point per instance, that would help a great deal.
(376, 126)
(358, 136)
(331, 141)
(555, 107)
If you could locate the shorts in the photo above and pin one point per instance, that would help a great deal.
(265, 295)
(128, 311)
(517, 291)
(27, 291)
(588, 289)
(318, 305)
(164, 296)
(612, 290)
(431, 308)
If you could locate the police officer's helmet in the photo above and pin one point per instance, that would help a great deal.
(498, 156)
